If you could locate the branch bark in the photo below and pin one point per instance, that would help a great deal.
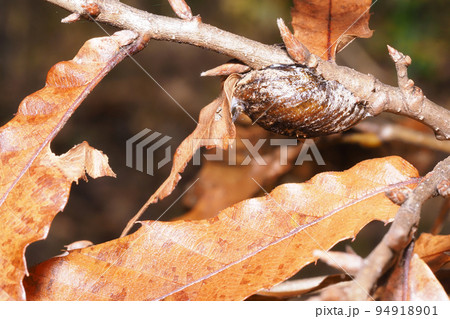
(381, 97)
(113, 12)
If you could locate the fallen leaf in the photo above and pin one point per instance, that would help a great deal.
(35, 183)
(332, 292)
(326, 26)
(250, 246)
(433, 249)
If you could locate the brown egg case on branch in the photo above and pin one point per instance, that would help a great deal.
(294, 100)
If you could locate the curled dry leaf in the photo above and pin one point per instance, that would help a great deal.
(214, 129)
(250, 246)
(433, 249)
(35, 200)
(412, 280)
(424, 285)
(34, 183)
(326, 26)
(221, 185)
(294, 47)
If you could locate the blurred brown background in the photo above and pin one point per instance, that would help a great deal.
(32, 39)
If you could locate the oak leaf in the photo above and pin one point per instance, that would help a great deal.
(34, 182)
(326, 26)
(250, 246)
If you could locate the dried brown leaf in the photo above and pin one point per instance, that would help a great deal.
(35, 183)
(326, 26)
(294, 47)
(214, 129)
(220, 184)
(433, 249)
(413, 281)
(250, 246)
(424, 285)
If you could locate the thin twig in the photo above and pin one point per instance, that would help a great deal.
(351, 263)
(112, 12)
(395, 132)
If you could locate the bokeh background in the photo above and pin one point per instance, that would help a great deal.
(32, 39)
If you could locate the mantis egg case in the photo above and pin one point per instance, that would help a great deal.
(293, 100)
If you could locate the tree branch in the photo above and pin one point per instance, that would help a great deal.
(255, 54)
(381, 97)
